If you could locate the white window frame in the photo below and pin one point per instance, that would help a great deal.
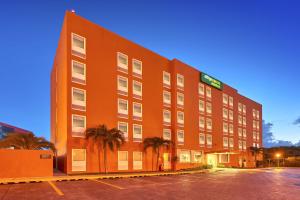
(240, 145)
(180, 84)
(180, 140)
(134, 70)
(257, 114)
(240, 120)
(165, 119)
(244, 109)
(78, 166)
(137, 164)
(135, 135)
(225, 142)
(230, 101)
(180, 121)
(135, 92)
(122, 165)
(123, 112)
(201, 126)
(201, 109)
(231, 143)
(244, 145)
(230, 113)
(225, 113)
(230, 128)
(168, 83)
(244, 121)
(240, 132)
(201, 142)
(134, 112)
(240, 107)
(122, 65)
(208, 120)
(201, 89)
(121, 88)
(125, 133)
(76, 102)
(187, 154)
(208, 94)
(209, 137)
(77, 75)
(244, 133)
(254, 113)
(225, 99)
(225, 127)
(167, 130)
(180, 103)
(208, 108)
(224, 161)
(78, 129)
(166, 101)
(78, 49)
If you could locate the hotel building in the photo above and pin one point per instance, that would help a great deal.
(98, 77)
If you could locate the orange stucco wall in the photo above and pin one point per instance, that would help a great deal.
(25, 163)
(101, 93)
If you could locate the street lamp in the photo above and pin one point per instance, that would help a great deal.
(278, 157)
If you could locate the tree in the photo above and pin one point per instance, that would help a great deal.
(25, 141)
(156, 143)
(256, 151)
(105, 137)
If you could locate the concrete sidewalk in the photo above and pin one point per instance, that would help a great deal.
(100, 176)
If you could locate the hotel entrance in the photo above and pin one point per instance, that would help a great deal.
(212, 159)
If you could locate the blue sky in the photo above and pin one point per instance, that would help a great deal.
(252, 45)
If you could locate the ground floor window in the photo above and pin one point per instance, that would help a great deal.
(197, 156)
(122, 160)
(137, 160)
(78, 160)
(224, 158)
(184, 156)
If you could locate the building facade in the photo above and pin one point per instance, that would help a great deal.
(99, 77)
(6, 128)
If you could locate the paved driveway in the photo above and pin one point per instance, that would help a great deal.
(231, 184)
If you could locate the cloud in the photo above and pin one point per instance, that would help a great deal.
(269, 139)
(297, 121)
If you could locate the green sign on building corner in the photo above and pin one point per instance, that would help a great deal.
(211, 81)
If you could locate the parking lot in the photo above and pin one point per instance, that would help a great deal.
(225, 184)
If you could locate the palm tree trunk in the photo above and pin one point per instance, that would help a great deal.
(99, 161)
(157, 159)
(152, 158)
(105, 158)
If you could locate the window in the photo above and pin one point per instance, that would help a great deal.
(231, 143)
(230, 101)
(78, 99)
(166, 97)
(137, 89)
(225, 142)
(240, 120)
(244, 109)
(180, 136)
(137, 67)
(257, 145)
(257, 114)
(223, 158)
(180, 80)
(244, 133)
(122, 85)
(122, 61)
(225, 113)
(167, 134)
(123, 127)
(240, 145)
(253, 144)
(201, 122)
(208, 108)
(137, 160)
(240, 107)
(166, 78)
(225, 99)
(78, 125)
(137, 132)
(244, 145)
(167, 116)
(254, 124)
(208, 92)
(123, 106)
(197, 156)
(78, 45)
(254, 135)
(201, 106)
(253, 113)
(78, 72)
(225, 127)
(244, 121)
(184, 156)
(208, 124)
(257, 136)
(257, 125)
(78, 160)
(201, 89)
(231, 129)
(180, 99)
(122, 160)
(230, 115)
(202, 139)
(180, 117)
(209, 140)
(240, 132)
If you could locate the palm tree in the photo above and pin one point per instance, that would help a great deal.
(156, 143)
(110, 138)
(25, 141)
(256, 151)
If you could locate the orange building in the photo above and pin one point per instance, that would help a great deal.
(98, 77)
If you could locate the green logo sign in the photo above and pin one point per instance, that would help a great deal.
(211, 81)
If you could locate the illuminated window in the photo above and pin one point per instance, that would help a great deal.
(137, 160)
(184, 156)
(122, 160)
